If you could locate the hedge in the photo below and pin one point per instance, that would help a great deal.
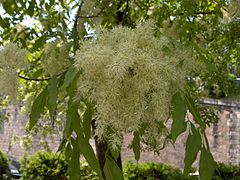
(50, 166)
(44, 166)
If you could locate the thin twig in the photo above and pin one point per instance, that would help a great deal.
(34, 79)
(40, 79)
(91, 16)
(74, 31)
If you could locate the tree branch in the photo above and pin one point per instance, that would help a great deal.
(200, 13)
(34, 79)
(74, 31)
(91, 16)
(40, 79)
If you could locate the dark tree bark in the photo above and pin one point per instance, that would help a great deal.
(102, 151)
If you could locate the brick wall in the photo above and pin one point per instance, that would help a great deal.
(224, 138)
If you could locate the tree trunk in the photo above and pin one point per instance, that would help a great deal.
(101, 150)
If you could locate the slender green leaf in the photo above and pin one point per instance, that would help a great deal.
(62, 145)
(68, 151)
(194, 110)
(69, 77)
(37, 108)
(207, 165)
(88, 153)
(136, 145)
(71, 112)
(52, 96)
(74, 163)
(179, 113)
(193, 146)
(111, 170)
(87, 120)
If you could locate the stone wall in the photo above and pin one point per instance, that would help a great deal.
(15, 127)
(224, 138)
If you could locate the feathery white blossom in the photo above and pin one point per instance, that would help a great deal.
(12, 60)
(130, 77)
(55, 57)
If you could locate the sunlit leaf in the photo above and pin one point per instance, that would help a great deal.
(69, 77)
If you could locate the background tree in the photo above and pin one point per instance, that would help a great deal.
(51, 32)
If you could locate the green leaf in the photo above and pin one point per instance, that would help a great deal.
(71, 113)
(30, 9)
(69, 77)
(194, 110)
(68, 151)
(89, 155)
(87, 120)
(74, 163)
(39, 42)
(37, 73)
(2, 23)
(179, 113)
(192, 148)
(52, 96)
(207, 165)
(37, 108)
(62, 145)
(136, 145)
(111, 170)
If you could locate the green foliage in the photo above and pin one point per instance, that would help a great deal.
(37, 108)
(207, 165)
(4, 165)
(192, 148)
(86, 172)
(178, 115)
(111, 169)
(44, 165)
(136, 145)
(151, 171)
(226, 172)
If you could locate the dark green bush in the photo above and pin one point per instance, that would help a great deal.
(4, 165)
(152, 171)
(44, 166)
(51, 166)
(227, 172)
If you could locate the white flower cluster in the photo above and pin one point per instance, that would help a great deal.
(12, 60)
(55, 57)
(131, 76)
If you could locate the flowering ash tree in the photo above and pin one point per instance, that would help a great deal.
(131, 76)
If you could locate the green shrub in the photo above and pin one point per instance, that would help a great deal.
(4, 165)
(44, 166)
(51, 166)
(152, 171)
(86, 172)
(227, 172)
